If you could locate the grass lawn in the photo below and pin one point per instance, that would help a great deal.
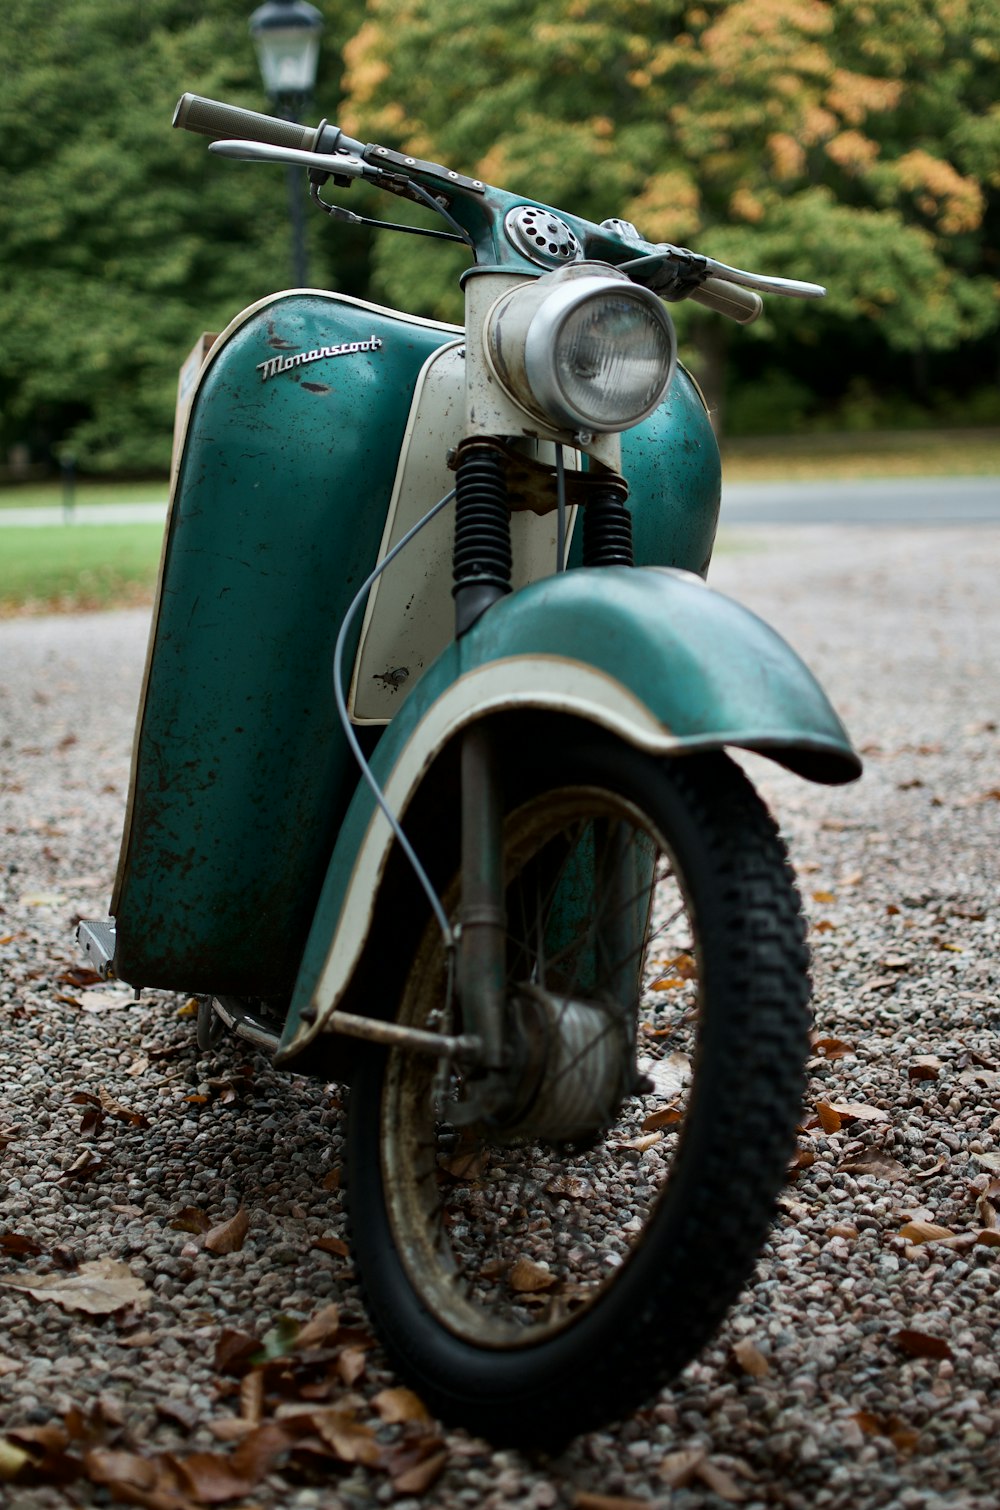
(63, 568)
(898, 453)
(50, 494)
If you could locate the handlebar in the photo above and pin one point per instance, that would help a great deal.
(727, 290)
(220, 121)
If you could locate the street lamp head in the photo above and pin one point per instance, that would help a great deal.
(286, 36)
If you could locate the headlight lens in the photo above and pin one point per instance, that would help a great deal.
(585, 350)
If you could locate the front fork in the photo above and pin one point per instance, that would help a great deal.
(482, 575)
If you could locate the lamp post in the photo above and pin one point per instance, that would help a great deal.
(286, 36)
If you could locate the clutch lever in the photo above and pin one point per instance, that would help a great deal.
(344, 165)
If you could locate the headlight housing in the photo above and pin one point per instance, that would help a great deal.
(584, 348)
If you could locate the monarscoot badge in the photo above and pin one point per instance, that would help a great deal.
(274, 365)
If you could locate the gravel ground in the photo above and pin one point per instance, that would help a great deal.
(860, 1368)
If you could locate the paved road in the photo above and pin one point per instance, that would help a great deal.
(903, 500)
(896, 500)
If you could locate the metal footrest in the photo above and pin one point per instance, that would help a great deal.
(96, 938)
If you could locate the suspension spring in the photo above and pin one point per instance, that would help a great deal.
(607, 528)
(482, 560)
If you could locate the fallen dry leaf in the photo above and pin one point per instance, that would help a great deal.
(400, 1404)
(750, 1358)
(678, 1468)
(829, 1119)
(883, 1165)
(113, 1108)
(190, 1219)
(831, 1048)
(213, 1477)
(334, 1245)
(921, 1344)
(584, 1501)
(527, 1277)
(924, 1067)
(319, 1329)
(418, 1477)
(903, 1437)
(351, 1440)
(100, 1287)
(858, 1111)
(228, 1237)
(665, 1118)
(924, 1232)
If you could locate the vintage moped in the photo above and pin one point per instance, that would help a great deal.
(431, 789)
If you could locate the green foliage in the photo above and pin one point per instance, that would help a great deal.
(852, 143)
(122, 239)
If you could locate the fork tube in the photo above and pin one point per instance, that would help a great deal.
(482, 941)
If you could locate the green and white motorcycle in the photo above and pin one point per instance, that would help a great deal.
(431, 792)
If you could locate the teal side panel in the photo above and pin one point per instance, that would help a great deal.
(241, 772)
(671, 462)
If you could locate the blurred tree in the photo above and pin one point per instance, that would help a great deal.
(855, 143)
(121, 240)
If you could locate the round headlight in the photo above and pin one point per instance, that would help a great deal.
(585, 350)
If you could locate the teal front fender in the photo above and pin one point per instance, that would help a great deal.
(651, 654)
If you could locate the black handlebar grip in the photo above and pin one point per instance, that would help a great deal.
(220, 121)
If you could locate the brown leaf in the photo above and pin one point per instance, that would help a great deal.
(857, 1111)
(989, 1237)
(420, 1476)
(351, 1364)
(213, 1477)
(924, 1232)
(190, 1219)
(720, 1482)
(570, 1185)
(334, 1245)
(178, 1412)
(331, 1181)
(665, 1118)
(100, 1288)
(114, 1108)
(928, 1174)
(903, 1437)
(83, 1167)
(135, 1479)
(252, 1397)
(924, 1067)
(470, 1164)
(987, 1213)
(750, 1358)
(13, 1242)
(400, 1404)
(228, 1237)
(921, 1344)
(79, 975)
(582, 1500)
(829, 1118)
(351, 1440)
(320, 1329)
(678, 1468)
(843, 1229)
(874, 1162)
(234, 1350)
(527, 1277)
(831, 1048)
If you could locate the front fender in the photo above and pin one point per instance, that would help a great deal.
(651, 654)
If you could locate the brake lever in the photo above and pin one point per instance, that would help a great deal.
(345, 165)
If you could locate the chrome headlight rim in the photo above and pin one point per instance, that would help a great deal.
(523, 332)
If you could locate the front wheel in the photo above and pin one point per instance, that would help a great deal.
(531, 1288)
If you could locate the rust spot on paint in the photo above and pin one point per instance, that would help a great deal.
(316, 387)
